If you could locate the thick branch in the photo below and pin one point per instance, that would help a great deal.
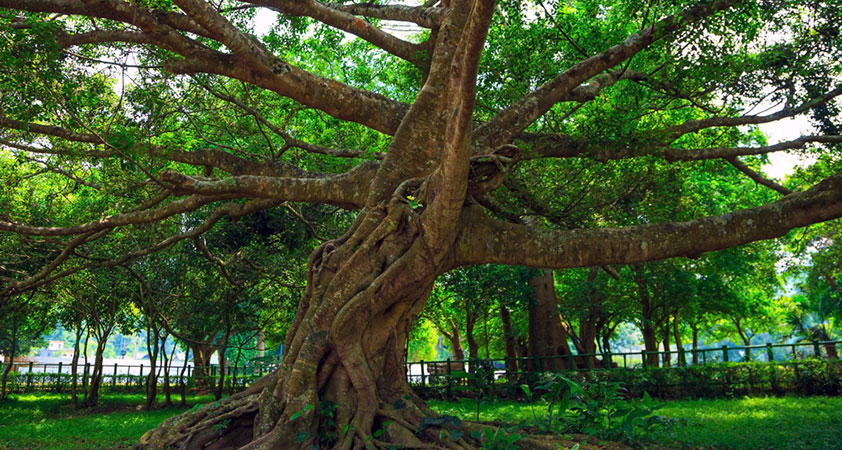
(484, 240)
(337, 99)
(347, 22)
(348, 190)
(427, 17)
(133, 218)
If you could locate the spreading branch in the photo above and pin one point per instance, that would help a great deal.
(486, 240)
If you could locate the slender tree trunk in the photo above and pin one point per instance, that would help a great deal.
(181, 380)
(546, 337)
(152, 349)
(470, 322)
(96, 377)
(74, 365)
(509, 340)
(695, 343)
(666, 334)
(85, 377)
(167, 363)
(223, 366)
(8, 368)
(677, 336)
(234, 371)
(743, 337)
(650, 340)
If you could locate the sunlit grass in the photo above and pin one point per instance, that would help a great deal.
(49, 422)
(791, 423)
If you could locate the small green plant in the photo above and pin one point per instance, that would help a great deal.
(220, 426)
(499, 438)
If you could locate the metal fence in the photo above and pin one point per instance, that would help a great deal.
(57, 377)
(32, 376)
(418, 373)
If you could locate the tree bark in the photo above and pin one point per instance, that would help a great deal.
(677, 336)
(695, 328)
(74, 365)
(96, 376)
(167, 363)
(8, 368)
(666, 334)
(650, 340)
(509, 340)
(546, 337)
(346, 346)
(152, 349)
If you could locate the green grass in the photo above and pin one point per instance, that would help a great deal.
(48, 421)
(791, 423)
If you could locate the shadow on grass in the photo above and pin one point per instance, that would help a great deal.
(49, 421)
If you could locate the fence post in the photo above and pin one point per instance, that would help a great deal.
(571, 363)
(770, 354)
(682, 357)
(724, 353)
(448, 377)
(625, 363)
(58, 378)
(817, 349)
(114, 378)
(423, 377)
(606, 359)
(643, 355)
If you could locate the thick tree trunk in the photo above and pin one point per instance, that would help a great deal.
(666, 335)
(346, 346)
(201, 365)
(546, 337)
(451, 333)
(261, 344)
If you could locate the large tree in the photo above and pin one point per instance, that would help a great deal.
(204, 114)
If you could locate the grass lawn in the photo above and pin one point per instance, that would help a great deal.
(792, 423)
(47, 421)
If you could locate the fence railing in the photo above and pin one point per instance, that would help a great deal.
(420, 372)
(57, 377)
(33, 376)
